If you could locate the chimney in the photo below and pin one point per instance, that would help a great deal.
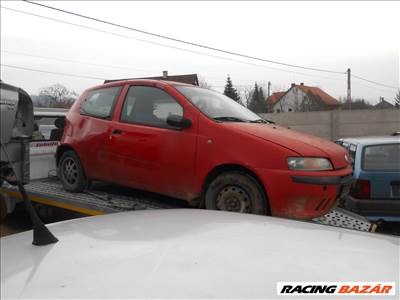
(293, 84)
(165, 74)
(302, 83)
(269, 88)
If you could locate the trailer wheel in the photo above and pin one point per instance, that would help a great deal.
(237, 192)
(71, 172)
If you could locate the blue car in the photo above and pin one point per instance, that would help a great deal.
(375, 192)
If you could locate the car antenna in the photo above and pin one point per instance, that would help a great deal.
(41, 234)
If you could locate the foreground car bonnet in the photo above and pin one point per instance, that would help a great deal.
(190, 253)
(302, 143)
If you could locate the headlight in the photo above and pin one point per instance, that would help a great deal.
(309, 164)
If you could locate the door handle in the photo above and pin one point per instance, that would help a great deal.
(116, 131)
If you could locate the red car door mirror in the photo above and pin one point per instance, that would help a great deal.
(178, 121)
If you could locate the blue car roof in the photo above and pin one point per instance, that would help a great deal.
(372, 140)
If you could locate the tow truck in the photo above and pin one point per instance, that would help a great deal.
(43, 186)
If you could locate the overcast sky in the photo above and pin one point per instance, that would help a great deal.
(363, 36)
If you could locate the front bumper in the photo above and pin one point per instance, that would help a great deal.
(305, 195)
(368, 207)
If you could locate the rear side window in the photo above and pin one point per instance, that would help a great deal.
(100, 103)
(381, 158)
(149, 106)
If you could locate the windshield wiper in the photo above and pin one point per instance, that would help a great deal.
(229, 119)
(262, 121)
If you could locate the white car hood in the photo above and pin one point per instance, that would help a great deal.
(186, 253)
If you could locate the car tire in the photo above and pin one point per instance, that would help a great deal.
(237, 192)
(71, 172)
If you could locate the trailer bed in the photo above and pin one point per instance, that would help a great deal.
(96, 201)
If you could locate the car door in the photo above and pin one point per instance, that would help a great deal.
(91, 133)
(148, 153)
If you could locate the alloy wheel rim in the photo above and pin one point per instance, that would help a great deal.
(70, 171)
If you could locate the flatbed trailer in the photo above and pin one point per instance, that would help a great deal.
(101, 199)
(95, 201)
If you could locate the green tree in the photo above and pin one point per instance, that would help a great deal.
(397, 100)
(257, 100)
(230, 91)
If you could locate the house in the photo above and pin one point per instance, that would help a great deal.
(273, 99)
(187, 78)
(304, 98)
(382, 104)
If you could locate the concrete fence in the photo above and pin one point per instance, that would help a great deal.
(340, 123)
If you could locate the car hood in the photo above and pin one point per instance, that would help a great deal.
(299, 142)
(185, 253)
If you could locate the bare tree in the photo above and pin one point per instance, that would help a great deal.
(246, 92)
(59, 95)
(203, 83)
(397, 99)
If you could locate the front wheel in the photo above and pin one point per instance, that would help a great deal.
(237, 192)
(71, 172)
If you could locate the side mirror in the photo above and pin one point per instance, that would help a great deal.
(178, 121)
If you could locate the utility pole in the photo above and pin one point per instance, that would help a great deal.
(269, 88)
(349, 87)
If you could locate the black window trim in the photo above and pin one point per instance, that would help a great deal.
(363, 154)
(108, 118)
(146, 124)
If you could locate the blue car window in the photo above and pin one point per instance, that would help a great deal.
(381, 158)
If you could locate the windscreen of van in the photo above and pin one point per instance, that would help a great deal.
(45, 128)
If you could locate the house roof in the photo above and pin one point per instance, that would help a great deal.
(323, 96)
(187, 78)
(384, 104)
(275, 97)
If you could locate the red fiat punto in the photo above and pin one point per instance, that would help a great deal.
(198, 145)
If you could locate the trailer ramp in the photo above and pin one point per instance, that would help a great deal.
(340, 217)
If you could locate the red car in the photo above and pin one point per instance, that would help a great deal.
(198, 145)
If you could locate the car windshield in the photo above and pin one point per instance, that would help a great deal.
(217, 106)
(382, 158)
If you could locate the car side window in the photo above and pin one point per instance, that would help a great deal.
(149, 106)
(100, 103)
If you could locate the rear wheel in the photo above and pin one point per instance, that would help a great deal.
(237, 192)
(71, 172)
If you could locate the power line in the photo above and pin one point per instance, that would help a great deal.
(50, 72)
(177, 48)
(167, 46)
(91, 77)
(182, 41)
(98, 78)
(374, 82)
(73, 61)
(200, 45)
